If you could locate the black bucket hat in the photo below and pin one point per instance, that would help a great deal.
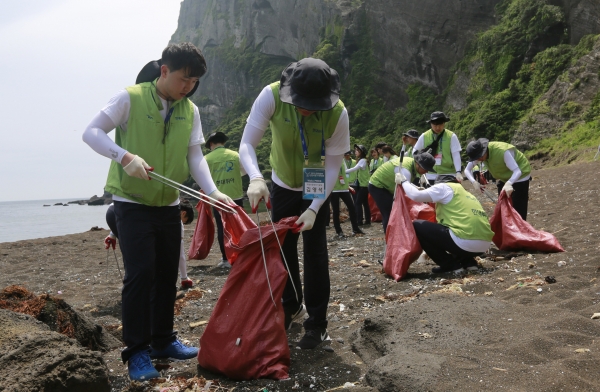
(216, 137)
(477, 148)
(437, 116)
(310, 84)
(151, 71)
(411, 133)
(425, 160)
(362, 148)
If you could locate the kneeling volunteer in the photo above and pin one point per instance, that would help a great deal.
(382, 183)
(463, 229)
(507, 165)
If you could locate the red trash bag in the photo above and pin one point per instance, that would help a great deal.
(511, 232)
(375, 213)
(234, 226)
(402, 245)
(245, 338)
(421, 211)
(204, 233)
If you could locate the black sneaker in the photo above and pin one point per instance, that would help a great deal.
(340, 234)
(312, 338)
(291, 317)
(357, 231)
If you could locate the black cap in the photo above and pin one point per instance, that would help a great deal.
(425, 160)
(310, 84)
(443, 178)
(362, 148)
(411, 133)
(216, 137)
(477, 148)
(438, 116)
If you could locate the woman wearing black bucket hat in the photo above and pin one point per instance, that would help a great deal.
(508, 165)
(444, 146)
(310, 134)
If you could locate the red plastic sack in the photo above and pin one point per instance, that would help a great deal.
(375, 213)
(245, 338)
(511, 232)
(421, 211)
(204, 233)
(402, 245)
(234, 226)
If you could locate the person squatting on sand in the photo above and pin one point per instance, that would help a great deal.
(444, 145)
(156, 123)
(226, 171)
(462, 231)
(310, 133)
(507, 165)
(382, 184)
(361, 198)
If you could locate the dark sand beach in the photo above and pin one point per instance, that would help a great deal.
(494, 330)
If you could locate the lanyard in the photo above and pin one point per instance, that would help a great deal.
(305, 147)
(167, 122)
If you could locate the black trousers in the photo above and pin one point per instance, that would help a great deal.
(219, 222)
(384, 200)
(520, 196)
(287, 203)
(150, 239)
(335, 207)
(111, 220)
(436, 241)
(361, 201)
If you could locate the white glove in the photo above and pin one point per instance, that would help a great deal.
(223, 198)
(306, 221)
(137, 168)
(400, 178)
(257, 190)
(508, 188)
(476, 185)
(459, 177)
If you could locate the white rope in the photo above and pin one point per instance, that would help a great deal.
(282, 255)
(262, 248)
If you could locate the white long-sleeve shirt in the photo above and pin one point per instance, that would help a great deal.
(116, 113)
(258, 121)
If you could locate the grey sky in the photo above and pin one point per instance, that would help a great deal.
(62, 60)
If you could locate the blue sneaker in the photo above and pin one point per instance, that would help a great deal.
(140, 367)
(175, 351)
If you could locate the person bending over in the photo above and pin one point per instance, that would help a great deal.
(462, 231)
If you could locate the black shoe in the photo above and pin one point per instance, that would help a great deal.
(290, 317)
(440, 270)
(357, 231)
(312, 338)
(340, 234)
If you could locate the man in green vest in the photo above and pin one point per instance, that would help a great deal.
(507, 165)
(462, 231)
(444, 145)
(155, 123)
(310, 134)
(226, 171)
(382, 183)
(409, 139)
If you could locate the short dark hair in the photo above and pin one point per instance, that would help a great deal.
(380, 144)
(389, 149)
(184, 56)
(189, 212)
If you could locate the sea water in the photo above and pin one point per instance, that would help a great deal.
(23, 220)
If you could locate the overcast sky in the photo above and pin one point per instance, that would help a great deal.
(62, 60)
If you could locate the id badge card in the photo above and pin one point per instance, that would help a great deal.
(438, 158)
(313, 183)
(342, 180)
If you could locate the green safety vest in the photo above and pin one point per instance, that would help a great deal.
(375, 163)
(351, 177)
(447, 166)
(144, 137)
(338, 185)
(363, 176)
(495, 161)
(409, 152)
(287, 157)
(464, 215)
(385, 176)
(224, 165)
